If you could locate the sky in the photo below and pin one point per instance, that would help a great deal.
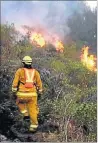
(92, 4)
(50, 14)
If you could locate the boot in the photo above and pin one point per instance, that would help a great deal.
(33, 128)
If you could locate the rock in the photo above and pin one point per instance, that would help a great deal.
(3, 138)
(16, 140)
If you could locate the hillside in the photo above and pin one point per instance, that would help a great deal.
(69, 96)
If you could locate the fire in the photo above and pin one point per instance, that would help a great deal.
(59, 46)
(39, 36)
(37, 39)
(88, 60)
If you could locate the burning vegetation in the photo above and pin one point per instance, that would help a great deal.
(40, 36)
(88, 60)
(39, 40)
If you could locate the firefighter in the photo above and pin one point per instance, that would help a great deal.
(26, 84)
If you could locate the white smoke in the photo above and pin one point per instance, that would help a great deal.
(51, 15)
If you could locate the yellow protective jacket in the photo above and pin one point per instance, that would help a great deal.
(19, 81)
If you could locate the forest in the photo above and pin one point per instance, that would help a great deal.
(68, 106)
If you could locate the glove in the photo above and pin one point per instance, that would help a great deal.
(14, 96)
(14, 89)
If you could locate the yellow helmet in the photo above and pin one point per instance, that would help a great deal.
(27, 60)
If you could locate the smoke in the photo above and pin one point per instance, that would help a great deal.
(49, 15)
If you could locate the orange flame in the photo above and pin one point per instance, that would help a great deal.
(37, 39)
(88, 60)
(59, 46)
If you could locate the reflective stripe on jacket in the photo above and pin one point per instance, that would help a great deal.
(26, 94)
(29, 77)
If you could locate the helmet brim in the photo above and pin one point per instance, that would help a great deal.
(27, 63)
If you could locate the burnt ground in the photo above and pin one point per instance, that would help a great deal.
(14, 128)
